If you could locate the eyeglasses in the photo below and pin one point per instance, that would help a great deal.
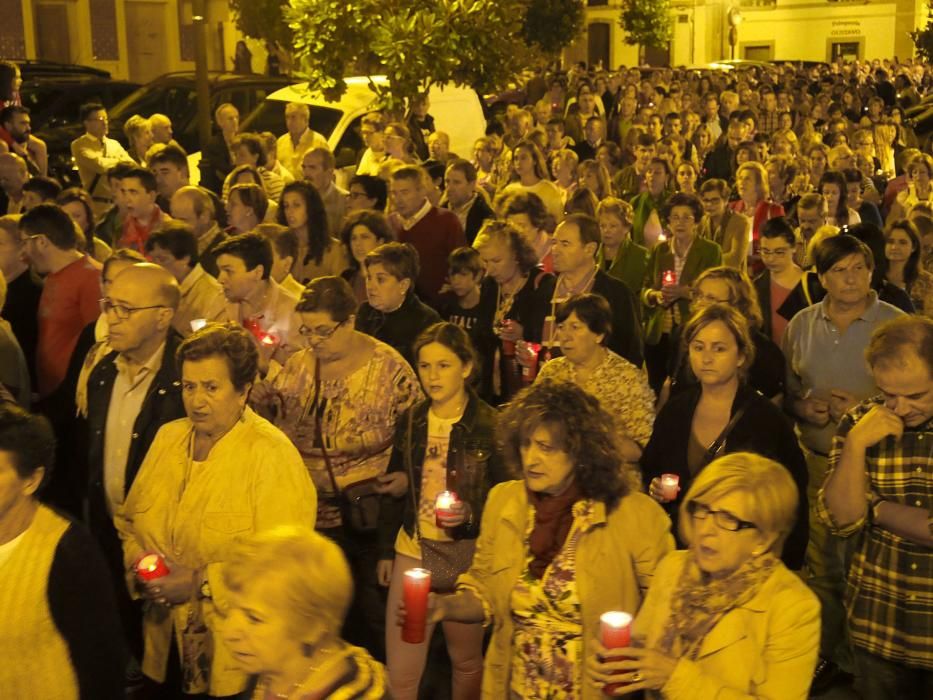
(686, 219)
(724, 519)
(122, 311)
(321, 334)
(358, 195)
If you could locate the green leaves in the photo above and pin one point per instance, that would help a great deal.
(923, 38)
(647, 22)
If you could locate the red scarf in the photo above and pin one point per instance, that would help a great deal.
(553, 519)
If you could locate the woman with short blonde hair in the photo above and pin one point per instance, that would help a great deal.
(138, 132)
(618, 255)
(734, 519)
(299, 584)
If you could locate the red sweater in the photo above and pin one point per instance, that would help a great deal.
(434, 237)
(69, 302)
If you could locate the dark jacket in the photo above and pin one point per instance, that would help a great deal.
(626, 338)
(767, 374)
(162, 405)
(478, 214)
(809, 291)
(474, 466)
(215, 163)
(398, 328)
(763, 429)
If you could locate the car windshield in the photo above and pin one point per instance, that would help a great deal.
(270, 116)
(174, 100)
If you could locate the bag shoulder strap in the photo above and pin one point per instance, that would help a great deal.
(720, 441)
(410, 469)
(318, 428)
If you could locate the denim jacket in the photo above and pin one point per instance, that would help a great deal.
(474, 466)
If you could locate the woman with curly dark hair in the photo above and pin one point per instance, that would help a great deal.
(551, 541)
(319, 253)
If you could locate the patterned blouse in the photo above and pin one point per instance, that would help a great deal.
(620, 387)
(547, 643)
(357, 413)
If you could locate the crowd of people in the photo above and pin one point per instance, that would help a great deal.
(659, 349)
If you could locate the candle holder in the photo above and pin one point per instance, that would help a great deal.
(151, 566)
(443, 506)
(670, 487)
(668, 278)
(416, 586)
(615, 631)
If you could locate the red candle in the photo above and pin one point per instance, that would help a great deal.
(149, 567)
(530, 368)
(443, 505)
(417, 585)
(670, 486)
(615, 631)
(668, 279)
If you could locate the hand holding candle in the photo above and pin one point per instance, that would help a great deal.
(151, 566)
(416, 587)
(445, 507)
(615, 631)
(668, 278)
(670, 487)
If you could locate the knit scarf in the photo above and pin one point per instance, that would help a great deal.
(700, 602)
(553, 519)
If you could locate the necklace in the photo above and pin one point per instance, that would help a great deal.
(328, 659)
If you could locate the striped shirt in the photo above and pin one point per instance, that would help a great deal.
(889, 595)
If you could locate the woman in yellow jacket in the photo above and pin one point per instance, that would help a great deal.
(221, 474)
(568, 542)
(724, 619)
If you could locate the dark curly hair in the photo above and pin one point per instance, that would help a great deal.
(578, 425)
(318, 231)
(228, 340)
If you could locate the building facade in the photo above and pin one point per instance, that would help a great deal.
(794, 30)
(133, 39)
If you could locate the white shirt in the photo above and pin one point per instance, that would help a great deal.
(126, 401)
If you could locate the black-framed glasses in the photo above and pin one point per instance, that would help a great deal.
(122, 311)
(311, 333)
(724, 519)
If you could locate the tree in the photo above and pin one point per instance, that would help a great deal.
(415, 43)
(647, 22)
(263, 20)
(550, 25)
(923, 38)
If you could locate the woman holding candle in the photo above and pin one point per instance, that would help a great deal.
(447, 441)
(725, 618)
(584, 323)
(549, 544)
(339, 400)
(722, 414)
(672, 267)
(208, 479)
(289, 590)
(515, 297)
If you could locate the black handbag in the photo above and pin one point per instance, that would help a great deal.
(359, 501)
(445, 560)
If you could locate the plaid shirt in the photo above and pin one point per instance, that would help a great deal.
(889, 591)
(768, 122)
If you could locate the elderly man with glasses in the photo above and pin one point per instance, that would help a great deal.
(131, 393)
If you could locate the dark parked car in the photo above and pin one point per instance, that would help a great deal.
(56, 101)
(31, 70)
(174, 95)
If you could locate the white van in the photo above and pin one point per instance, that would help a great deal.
(456, 111)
